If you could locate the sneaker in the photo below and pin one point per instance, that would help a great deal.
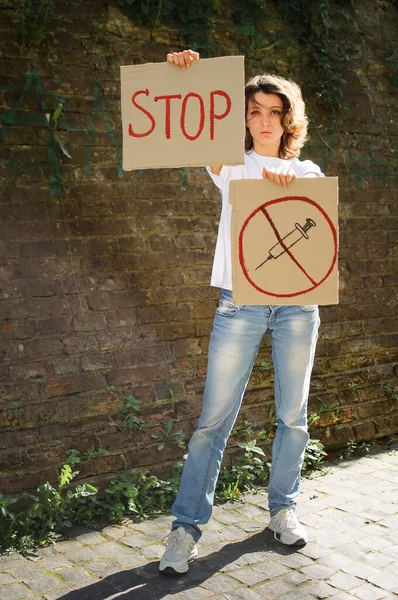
(287, 528)
(181, 549)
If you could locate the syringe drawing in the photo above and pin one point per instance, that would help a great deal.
(290, 239)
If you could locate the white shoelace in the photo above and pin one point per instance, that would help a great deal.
(171, 540)
(286, 519)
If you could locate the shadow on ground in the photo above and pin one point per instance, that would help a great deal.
(147, 582)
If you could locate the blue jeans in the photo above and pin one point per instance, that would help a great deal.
(234, 344)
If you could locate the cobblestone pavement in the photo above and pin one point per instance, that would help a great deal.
(351, 514)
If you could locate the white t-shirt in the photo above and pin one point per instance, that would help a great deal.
(252, 169)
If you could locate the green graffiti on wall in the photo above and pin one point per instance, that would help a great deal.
(20, 115)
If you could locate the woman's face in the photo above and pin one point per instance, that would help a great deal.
(264, 120)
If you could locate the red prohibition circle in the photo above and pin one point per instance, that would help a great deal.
(262, 208)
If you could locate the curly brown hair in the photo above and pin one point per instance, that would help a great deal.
(294, 120)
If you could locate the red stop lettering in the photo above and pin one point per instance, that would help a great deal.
(213, 114)
(148, 114)
(201, 117)
(167, 117)
(168, 98)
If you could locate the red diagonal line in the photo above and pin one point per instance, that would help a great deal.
(278, 237)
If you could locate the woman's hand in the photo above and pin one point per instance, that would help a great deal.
(281, 176)
(182, 59)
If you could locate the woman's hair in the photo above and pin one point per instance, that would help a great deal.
(294, 120)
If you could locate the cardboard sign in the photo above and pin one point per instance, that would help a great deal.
(284, 241)
(183, 118)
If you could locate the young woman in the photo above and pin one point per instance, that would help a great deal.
(276, 129)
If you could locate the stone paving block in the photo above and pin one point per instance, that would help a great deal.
(271, 569)
(57, 594)
(232, 533)
(295, 578)
(326, 540)
(294, 561)
(391, 522)
(153, 551)
(55, 562)
(6, 578)
(102, 568)
(219, 583)
(81, 555)
(276, 588)
(147, 526)
(250, 526)
(260, 498)
(295, 595)
(313, 550)
(385, 580)
(45, 583)
(8, 562)
(375, 530)
(157, 535)
(15, 592)
(119, 554)
(335, 560)
(136, 540)
(343, 596)
(76, 577)
(368, 592)
(392, 568)
(391, 552)
(377, 560)
(91, 538)
(242, 594)
(196, 593)
(352, 550)
(67, 546)
(249, 576)
(26, 571)
(317, 589)
(372, 543)
(253, 512)
(114, 532)
(317, 571)
(358, 569)
(229, 517)
(344, 581)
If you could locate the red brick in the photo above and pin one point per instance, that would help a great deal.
(19, 330)
(89, 321)
(126, 337)
(77, 344)
(97, 362)
(71, 385)
(134, 376)
(30, 371)
(43, 347)
(141, 355)
(121, 318)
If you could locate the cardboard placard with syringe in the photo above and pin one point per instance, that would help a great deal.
(285, 242)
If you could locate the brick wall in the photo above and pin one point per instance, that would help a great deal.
(105, 275)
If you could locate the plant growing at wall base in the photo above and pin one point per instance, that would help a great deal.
(129, 414)
(247, 472)
(168, 435)
(355, 449)
(314, 455)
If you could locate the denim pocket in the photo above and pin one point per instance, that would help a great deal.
(308, 307)
(226, 308)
